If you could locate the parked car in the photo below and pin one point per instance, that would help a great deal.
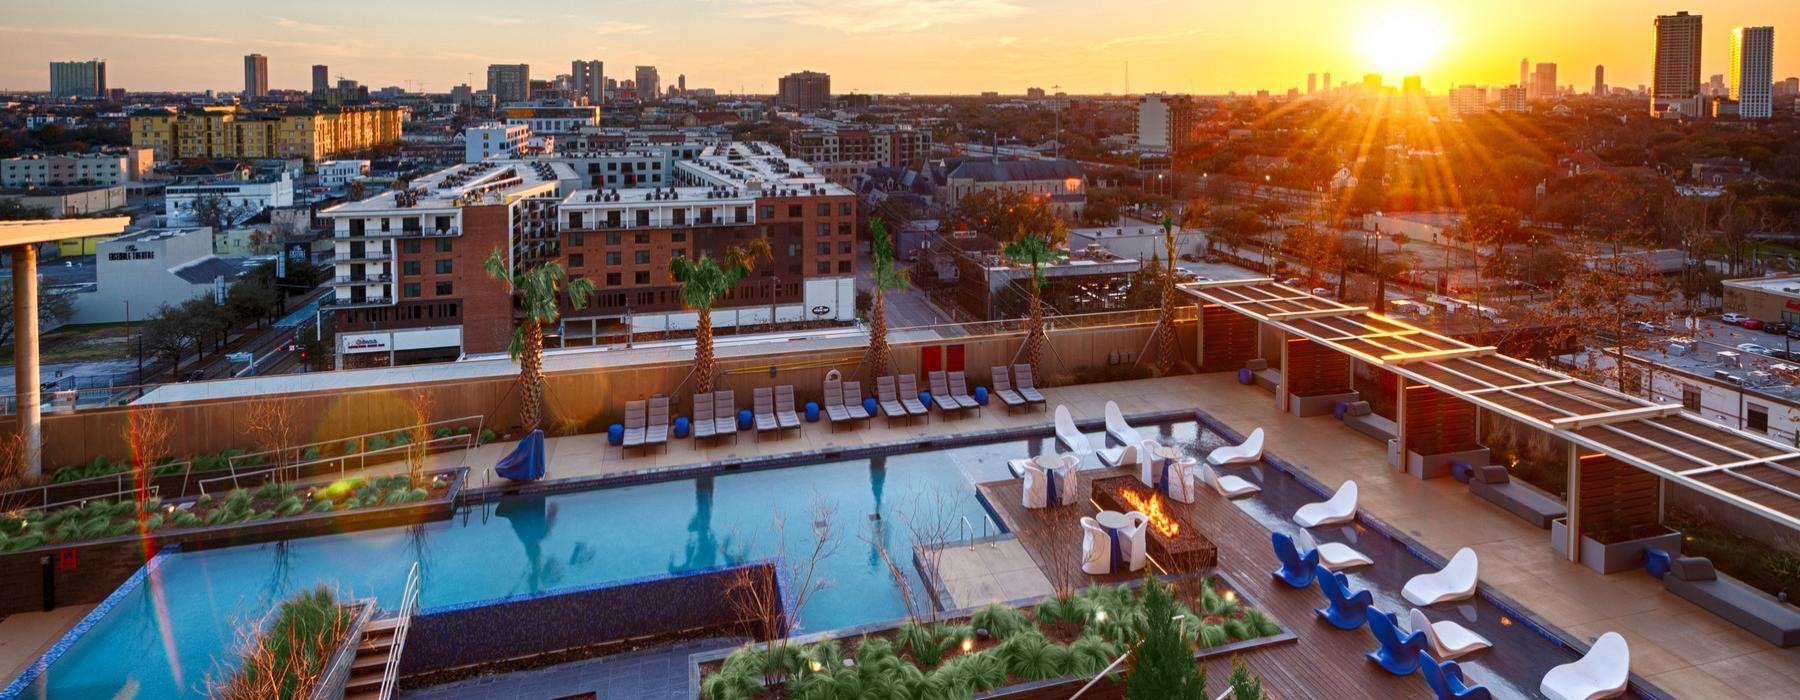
(194, 376)
(1213, 258)
(1752, 324)
(1190, 257)
(1322, 293)
(1794, 332)
(1777, 328)
(1734, 319)
(1646, 326)
(1752, 348)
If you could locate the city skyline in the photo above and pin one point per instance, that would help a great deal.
(928, 46)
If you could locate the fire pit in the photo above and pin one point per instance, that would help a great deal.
(1173, 543)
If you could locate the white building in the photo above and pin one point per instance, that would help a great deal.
(552, 116)
(243, 195)
(338, 173)
(152, 268)
(494, 140)
(1753, 71)
(1513, 99)
(1468, 100)
(1153, 122)
(81, 169)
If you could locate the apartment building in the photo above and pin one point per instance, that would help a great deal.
(1468, 100)
(78, 78)
(493, 140)
(242, 194)
(893, 146)
(1167, 123)
(76, 169)
(552, 116)
(232, 132)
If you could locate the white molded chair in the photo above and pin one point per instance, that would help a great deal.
(1118, 428)
(1149, 464)
(1250, 451)
(1600, 673)
(1182, 478)
(1340, 508)
(1037, 486)
(1455, 581)
(1122, 456)
(1067, 434)
(1096, 552)
(1332, 556)
(1448, 640)
(1138, 540)
(1227, 485)
(1036, 472)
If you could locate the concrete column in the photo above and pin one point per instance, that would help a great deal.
(1574, 520)
(25, 360)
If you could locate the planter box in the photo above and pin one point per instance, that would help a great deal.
(337, 673)
(1438, 466)
(1321, 405)
(1616, 557)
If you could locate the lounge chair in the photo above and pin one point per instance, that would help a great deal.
(1045, 485)
(1340, 508)
(959, 390)
(1344, 609)
(1332, 556)
(1118, 429)
(656, 428)
(1027, 385)
(1066, 433)
(909, 396)
(889, 397)
(1121, 456)
(1693, 578)
(834, 403)
(1456, 581)
(1298, 569)
(1399, 652)
(1602, 672)
(704, 425)
(762, 404)
(1227, 485)
(1003, 389)
(1495, 484)
(853, 401)
(725, 420)
(1446, 640)
(1096, 548)
(636, 415)
(1249, 451)
(1361, 417)
(940, 395)
(1447, 681)
(784, 407)
(526, 461)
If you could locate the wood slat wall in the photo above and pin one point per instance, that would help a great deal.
(1438, 423)
(1228, 338)
(1314, 369)
(1615, 495)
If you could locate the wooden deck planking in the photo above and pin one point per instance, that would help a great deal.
(1322, 657)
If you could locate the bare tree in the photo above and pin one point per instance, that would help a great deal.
(270, 423)
(12, 456)
(149, 441)
(752, 596)
(930, 518)
(423, 401)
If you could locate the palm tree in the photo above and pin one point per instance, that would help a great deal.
(1165, 324)
(536, 288)
(1037, 250)
(888, 278)
(703, 280)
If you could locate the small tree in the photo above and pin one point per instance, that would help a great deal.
(703, 280)
(1245, 685)
(423, 402)
(887, 277)
(1162, 666)
(538, 290)
(1037, 250)
(270, 423)
(1165, 322)
(149, 441)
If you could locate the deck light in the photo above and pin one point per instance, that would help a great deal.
(1505, 621)
(1231, 596)
(968, 645)
(1100, 615)
(814, 665)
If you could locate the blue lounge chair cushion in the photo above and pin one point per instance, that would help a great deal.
(1297, 570)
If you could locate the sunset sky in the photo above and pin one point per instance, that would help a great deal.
(920, 46)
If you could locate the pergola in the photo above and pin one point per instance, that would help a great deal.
(1604, 429)
(21, 238)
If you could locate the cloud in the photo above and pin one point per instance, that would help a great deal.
(299, 26)
(616, 27)
(500, 21)
(861, 16)
(1145, 39)
(101, 33)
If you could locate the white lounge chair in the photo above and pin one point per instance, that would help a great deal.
(1227, 485)
(1096, 548)
(1182, 480)
(1122, 456)
(1455, 581)
(1340, 508)
(1602, 672)
(1066, 433)
(1448, 640)
(1333, 556)
(1250, 451)
(1118, 428)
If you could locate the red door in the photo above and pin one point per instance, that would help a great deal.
(931, 359)
(953, 360)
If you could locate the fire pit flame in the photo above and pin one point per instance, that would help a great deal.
(1152, 507)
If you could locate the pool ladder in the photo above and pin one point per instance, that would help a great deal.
(965, 532)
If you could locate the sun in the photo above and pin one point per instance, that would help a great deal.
(1401, 41)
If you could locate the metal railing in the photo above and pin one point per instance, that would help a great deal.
(966, 532)
(409, 604)
(297, 452)
(292, 472)
(152, 492)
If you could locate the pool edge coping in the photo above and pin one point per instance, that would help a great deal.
(35, 670)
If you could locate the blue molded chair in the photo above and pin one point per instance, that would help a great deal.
(1398, 655)
(1343, 609)
(1296, 570)
(525, 462)
(1447, 682)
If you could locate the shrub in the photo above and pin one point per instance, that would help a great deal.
(488, 435)
(924, 644)
(1058, 610)
(1000, 621)
(1090, 655)
(403, 438)
(1259, 623)
(291, 505)
(350, 447)
(310, 454)
(440, 433)
(1236, 629)
(322, 505)
(1243, 685)
(286, 660)
(1030, 656)
(1163, 667)
(1211, 636)
(378, 443)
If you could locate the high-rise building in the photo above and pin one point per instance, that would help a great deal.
(1412, 85)
(1753, 71)
(256, 76)
(805, 90)
(1167, 123)
(588, 79)
(321, 81)
(681, 85)
(1675, 85)
(228, 132)
(78, 78)
(509, 82)
(1715, 86)
(1543, 82)
(1513, 99)
(1372, 82)
(1788, 88)
(1327, 81)
(1599, 81)
(1467, 100)
(1525, 79)
(649, 85)
(1312, 83)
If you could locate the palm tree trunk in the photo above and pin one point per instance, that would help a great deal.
(878, 342)
(531, 377)
(703, 353)
(1034, 334)
(1165, 360)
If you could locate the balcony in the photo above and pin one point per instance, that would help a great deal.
(365, 279)
(402, 233)
(366, 256)
(357, 303)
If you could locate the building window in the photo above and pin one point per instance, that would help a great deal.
(612, 238)
(1758, 421)
(443, 267)
(575, 240)
(824, 248)
(844, 266)
(575, 260)
(844, 247)
(641, 257)
(844, 228)
(443, 289)
(443, 245)
(642, 238)
(825, 209)
(824, 267)
(1690, 397)
(615, 258)
(410, 245)
(794, 211)
(678, 253)
(640, 278)
(409, 290)
(845, 208)
(768, 212)
(410, 267)
(612, 279)
(678, 237)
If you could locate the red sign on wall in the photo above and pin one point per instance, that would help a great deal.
(65, 559)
